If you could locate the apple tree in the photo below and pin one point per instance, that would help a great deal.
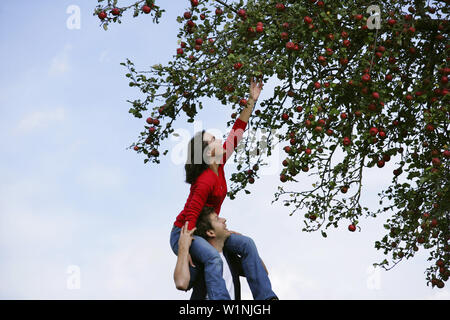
(358, 85)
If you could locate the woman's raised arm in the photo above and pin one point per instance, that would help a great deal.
(255, 90)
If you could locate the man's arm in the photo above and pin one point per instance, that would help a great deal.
(181, 275)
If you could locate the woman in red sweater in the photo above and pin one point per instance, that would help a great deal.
(205, 174)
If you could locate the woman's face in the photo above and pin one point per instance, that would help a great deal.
(215, 145)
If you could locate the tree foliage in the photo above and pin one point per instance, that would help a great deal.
(351, 95)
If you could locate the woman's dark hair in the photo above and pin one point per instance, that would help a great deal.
(204, 222)
(195, 163)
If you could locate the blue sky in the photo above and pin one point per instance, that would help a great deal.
(72, 195)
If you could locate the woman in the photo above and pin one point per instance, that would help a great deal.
(204, 171)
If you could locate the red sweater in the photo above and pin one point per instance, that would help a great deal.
(210, 189)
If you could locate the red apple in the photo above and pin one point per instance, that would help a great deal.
(391, 22)
(290, 45)
(241, 13)
(146, 9)
(102, 15)
(373, 131)
(352, 228)
(436, 162)
(307, 20)
(365, 77)
(346, 141)
(280, 6)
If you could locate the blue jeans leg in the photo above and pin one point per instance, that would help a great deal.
(201, 251)
(256, 275)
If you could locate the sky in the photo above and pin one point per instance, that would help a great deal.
(82, 217)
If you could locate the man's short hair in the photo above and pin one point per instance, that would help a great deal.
(204, 222)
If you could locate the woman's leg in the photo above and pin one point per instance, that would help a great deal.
(256, 275)
(206, 254)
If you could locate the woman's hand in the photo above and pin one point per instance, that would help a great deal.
(186, 238)
(255, 89)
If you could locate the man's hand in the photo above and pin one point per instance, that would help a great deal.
(186, 238)
(181, 275)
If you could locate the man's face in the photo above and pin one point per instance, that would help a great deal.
(219, 226)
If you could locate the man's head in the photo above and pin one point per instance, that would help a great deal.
(211, 226)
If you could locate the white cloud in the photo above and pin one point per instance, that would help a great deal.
(60, 63)
(442, 294)
(100, 177)
(104, 56)
(40, 119)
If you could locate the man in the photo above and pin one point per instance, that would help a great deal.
(214, 230)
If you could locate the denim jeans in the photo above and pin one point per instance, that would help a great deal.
(203, 252)
(254, 271)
